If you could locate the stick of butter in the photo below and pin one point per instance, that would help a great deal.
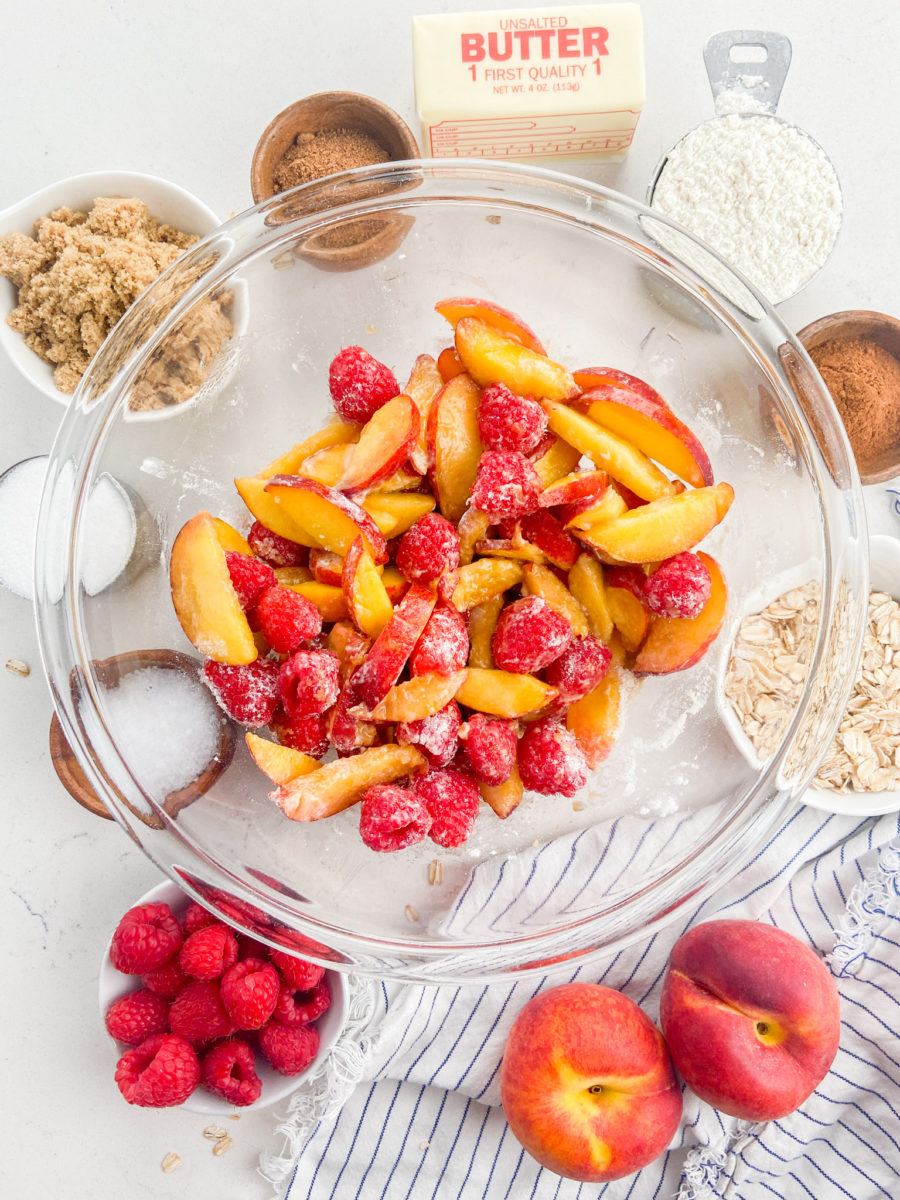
(560, 82)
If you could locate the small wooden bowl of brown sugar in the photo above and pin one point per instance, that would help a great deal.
(857, 353)
(322, 135)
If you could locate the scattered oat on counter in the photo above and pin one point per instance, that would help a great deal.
(171, 1163)
(16, 666)
(435, 872)
(222, 1146)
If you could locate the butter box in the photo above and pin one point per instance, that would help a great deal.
(548, 83)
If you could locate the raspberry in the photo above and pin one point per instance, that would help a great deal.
(529, 635)
(302, 1007)
(309, 734)
(159, 1073)
(167, 980)
(428, 549)
(309, 681)
(578, 669)
(209, 952)
(506, 485)
(510, 422)
(196, 918)
(392, 818)
(436, 736)
(133, 1018)
(297, 972)
(228, 1070)
(679, 587)
(146, 937)
(359, 384)
(249, 992)
(250, 577)
(286, 619)
(274, 549)
(550, 759)
(289, 1050)
(491, 748)
(451, 797)
(198, 1014)
(444, 644)
(249, 693)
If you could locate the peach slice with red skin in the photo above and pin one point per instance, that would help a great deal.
(454, 444)
(206, 604)
(508, 323)
(266, 509)
(337, 785)
(328, 599)
(326, 566)
(326, 465)
(393, 646)
(424, 383)
(417, 698)
(395, 584)
(587, 585)
(503, 797)
(337, 433)
(594, 719)
(395, 512)
(558, 460)
(629, 616)
(350, 646)
(504, 693)
(676, 643)
(327, 515)
(472, 528)
(663, 527)
(511, 548)
(545, 532)
(483, 620)
(492, 357)
(570, 489)
(481, 580)
(583, 514)
(449, 364)
(384, 445)
(368, 603)
(280, 763)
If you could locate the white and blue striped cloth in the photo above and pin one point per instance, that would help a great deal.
(426, 1122)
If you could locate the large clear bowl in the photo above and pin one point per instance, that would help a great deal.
(677, 807)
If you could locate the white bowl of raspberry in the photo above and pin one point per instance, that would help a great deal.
(221, 1023)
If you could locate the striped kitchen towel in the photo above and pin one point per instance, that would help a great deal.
(412, 1108)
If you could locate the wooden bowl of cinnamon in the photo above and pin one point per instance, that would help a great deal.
(857, 353)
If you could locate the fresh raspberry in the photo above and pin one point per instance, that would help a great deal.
(167, 980)
(550, 759)
(529, 635)
(436, 736)
(146, 937)
(274, 549)
(360, 384)
(133, 1018)
(196, 917)
(159, 1073)
(578, 669)
(208, 953)
(491, 748)
(286, 619)
(679, 587)
(309, 734)
(250, 991)
(302, 1007)
(248, 693)
(629, 577)
(310, 681)
(250, 577)
(297, 972)
(392, 818)
(228, 1069)
(289, 1050)
(198, 1014)
(451, 797)
(444, 644)
(510, 422)
(506, 485)
(428, 549)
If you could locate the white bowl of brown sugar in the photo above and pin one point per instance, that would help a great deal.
(75, 255)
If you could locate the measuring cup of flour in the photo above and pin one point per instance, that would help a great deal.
(758, 190)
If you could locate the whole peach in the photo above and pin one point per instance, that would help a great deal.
(751, 1017)
(587, 1084)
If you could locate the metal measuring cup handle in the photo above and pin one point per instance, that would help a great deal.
(762, 79)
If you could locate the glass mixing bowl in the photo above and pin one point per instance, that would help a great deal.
(677, 807)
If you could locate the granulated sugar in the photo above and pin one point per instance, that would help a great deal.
(760, 192)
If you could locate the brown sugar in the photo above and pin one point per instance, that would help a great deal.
(314, 155)
(864, 381)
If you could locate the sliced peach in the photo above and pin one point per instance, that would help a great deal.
(383, 447)
(351, 646)
(558, 461)
(337, 785)
(503, 797)
(492, 357)
(503, 693)
(449, 364)
(327, 567)
(594, 719)
(265, 507)
(280, 763)
(336, 433)
(541, 581)
(585, 513)
(629, 616)
(389, 653)
(676, 643)
(368, 603)
(327, 465)
(483, 620)
(329, 600)
(572, 488)
(394, 512)
(608, 451)
(664, 527)
(587, 586)
(291, 575)
(404, 479)
(424, 383)
(229, 538)
(205, 601)
(484, 579)
(543, 530)
(395, 584)
(417, 698)
(513, 548)
(512, 326)
(454, 444)
(472, 528)
(327, 515)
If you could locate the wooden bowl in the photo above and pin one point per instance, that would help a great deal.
(885, 331)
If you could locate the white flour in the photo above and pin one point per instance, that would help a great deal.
(760, 192)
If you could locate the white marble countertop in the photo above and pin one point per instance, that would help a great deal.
(183, 91)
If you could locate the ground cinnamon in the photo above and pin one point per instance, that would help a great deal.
(314, 155)
(864, 381)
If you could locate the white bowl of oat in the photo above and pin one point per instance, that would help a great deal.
(860, 773)
(65, 282)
